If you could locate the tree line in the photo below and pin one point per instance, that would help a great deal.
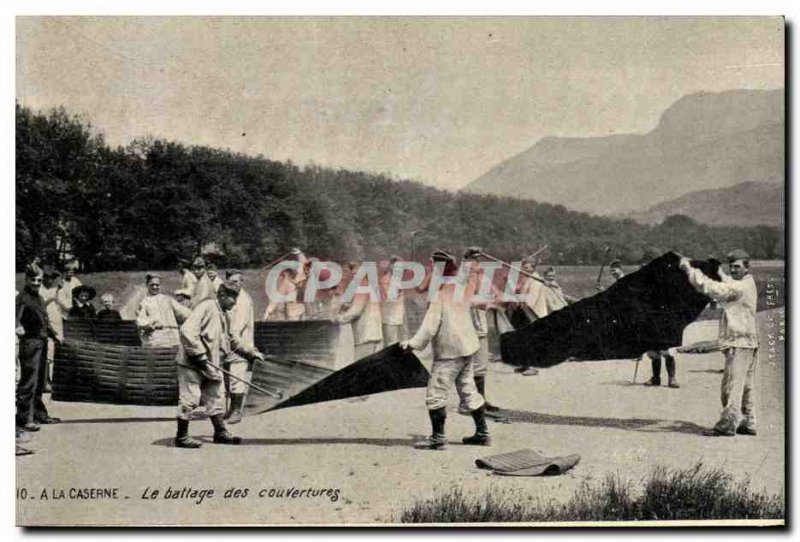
(153, 201)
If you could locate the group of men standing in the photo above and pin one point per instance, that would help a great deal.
(212, 323)
(213, 326)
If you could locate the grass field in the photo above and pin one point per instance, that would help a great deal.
(577, 281)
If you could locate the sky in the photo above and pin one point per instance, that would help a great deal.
(437, 100)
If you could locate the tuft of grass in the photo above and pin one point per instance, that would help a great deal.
(667, 494)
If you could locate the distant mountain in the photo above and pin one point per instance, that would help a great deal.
(703, 141)
(745, 204)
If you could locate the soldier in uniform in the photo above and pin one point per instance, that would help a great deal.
(449, 327)
(206, 342)
(364, 313)
(241, 328)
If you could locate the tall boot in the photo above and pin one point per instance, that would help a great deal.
(670, 363)
(237, 404)
(221, 434)
(480, 383)
(481, 436)
(182, 438)
(437, 440)
(656, 379)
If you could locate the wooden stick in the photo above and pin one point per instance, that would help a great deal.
(273, 394)
(603, 265)
(512, 267)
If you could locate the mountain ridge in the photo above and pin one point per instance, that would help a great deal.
(702, 141)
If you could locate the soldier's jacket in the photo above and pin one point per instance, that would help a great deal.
(365, 316)
(241, 328)
(205, 332)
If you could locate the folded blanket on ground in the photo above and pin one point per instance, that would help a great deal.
(527, 462)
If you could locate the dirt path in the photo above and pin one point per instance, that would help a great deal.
(363, 448)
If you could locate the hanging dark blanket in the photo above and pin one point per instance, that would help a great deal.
(390, 369)
(645, 310)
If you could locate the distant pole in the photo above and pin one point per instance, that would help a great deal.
(414, 245)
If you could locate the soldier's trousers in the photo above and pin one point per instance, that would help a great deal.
(445, 373)
(392, 334)
(237, 368)
(738, 392)
(481, 357)
(194, 387)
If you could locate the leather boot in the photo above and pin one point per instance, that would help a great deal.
(221, 434)
(656, 379)
(480, 383)
(182, 438)
(437, 440)
(481, 436)
(670, 363)
(237, 404)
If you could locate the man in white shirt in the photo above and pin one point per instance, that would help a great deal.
(241, 328)
(158, 316)
(70, 283)
(364, 314)
(737, 295)
(393, 312)
(448, 326)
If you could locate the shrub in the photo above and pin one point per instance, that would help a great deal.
(678, 494)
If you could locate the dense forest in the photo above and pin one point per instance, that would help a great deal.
(147, 204)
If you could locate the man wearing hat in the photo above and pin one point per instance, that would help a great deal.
(82, 303)
(241, 328)
(33, 329)
(478, 313)
(736, 294)
(449, 327)
(206, 342)
(204, 289)
(158, 316)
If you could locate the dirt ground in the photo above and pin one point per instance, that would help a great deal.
(364, 448)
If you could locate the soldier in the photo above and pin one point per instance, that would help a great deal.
(241, 328)
(188, 279)
(393, 312)
(534, 302)
(158, 316)
(448, 326)
(738, 338)
(204, 289)
(290, 281)
(364, 314)
(206, 342)
(478, 313)
(213, 275)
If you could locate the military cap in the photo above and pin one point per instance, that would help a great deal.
(738, 254)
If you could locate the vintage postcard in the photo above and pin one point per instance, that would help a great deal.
(411, 271)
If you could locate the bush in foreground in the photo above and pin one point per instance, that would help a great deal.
(680, 494)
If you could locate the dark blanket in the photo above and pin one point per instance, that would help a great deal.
(390, 369)
(645, 310)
